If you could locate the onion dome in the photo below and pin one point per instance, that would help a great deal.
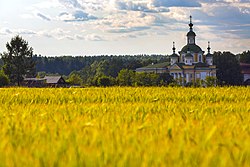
(208, 51)
(192, 48)
(191, 32)
(174, 54)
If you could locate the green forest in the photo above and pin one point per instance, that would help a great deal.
(106, 70)
(91, 70)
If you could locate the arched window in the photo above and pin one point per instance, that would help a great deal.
(200, 58)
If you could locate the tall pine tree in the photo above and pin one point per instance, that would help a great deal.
(18, 62)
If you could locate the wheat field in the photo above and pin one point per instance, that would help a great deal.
(125, 127)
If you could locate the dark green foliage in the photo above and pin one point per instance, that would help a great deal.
(18, 60)
(105, 81)
(75, 78)
(4, 80)
(126, 77)
(1, 62)
(228, 69)
(64, 65)
(146, 79)
(41, 74)
(245, 57)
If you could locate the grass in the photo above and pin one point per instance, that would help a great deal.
(125, 127)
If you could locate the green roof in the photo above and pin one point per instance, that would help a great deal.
(189, 55)
(180, 65)
(192, 48)
(174, 55)
(158, 65)
(209, 55)
(191, 33)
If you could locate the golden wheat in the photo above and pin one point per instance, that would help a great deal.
(125, 127)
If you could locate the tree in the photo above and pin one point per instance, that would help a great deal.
(1, 63)
(146, 79)
(4, 80)
(75, 78)
(41, 74)
(125, 77)
(105, 81)
(18, 60)
(245, 57)
(228, 69)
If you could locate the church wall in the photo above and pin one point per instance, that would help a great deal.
(195, 57)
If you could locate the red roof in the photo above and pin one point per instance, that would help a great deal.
(245, 68)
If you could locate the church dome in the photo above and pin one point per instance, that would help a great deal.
(174, 55)
(191, 33)
(209, 55)
(192, 48)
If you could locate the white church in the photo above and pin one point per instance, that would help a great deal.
(191, 64)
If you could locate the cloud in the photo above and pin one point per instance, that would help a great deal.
(176, 3)
(94, 37)
(77, 16)
(134, 21)
(129, 5)
(43, 17)
(5, 31)
(143, 6)
(25, 32)
(71, 4)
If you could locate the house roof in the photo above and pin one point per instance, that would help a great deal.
(53, 79)
(245, 65)
(158, 65)
(195, 66)
(34, 79)
(180, 65)
(245, 68)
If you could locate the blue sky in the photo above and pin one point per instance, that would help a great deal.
(94, 27)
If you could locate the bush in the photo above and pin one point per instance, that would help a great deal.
(4, 80)
(105, 81)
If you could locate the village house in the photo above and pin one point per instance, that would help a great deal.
(245, 71)
(47, 81)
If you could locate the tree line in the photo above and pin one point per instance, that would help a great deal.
(19, 62)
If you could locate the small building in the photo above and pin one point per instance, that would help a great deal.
(245, 71)
(47, 81)
(34, 82)
(55, 81)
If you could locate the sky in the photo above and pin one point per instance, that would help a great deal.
(121, 27)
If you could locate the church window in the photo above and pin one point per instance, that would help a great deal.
(199, 58)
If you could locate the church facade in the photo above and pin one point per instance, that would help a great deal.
(191, 64)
